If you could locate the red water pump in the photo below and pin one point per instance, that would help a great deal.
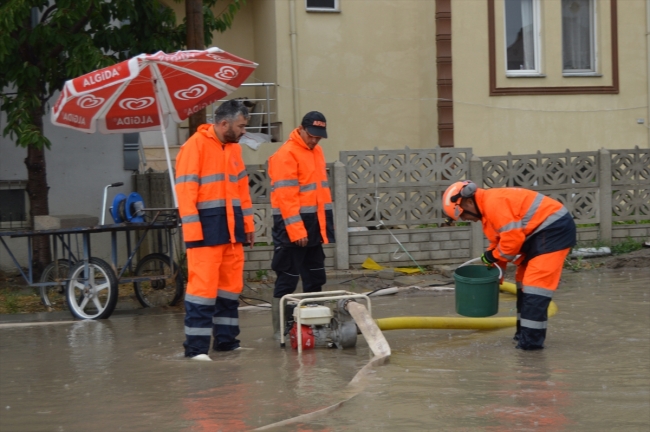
(308, 339)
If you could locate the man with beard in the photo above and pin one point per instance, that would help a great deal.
(216, 213)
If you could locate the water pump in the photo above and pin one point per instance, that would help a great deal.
(311, 324)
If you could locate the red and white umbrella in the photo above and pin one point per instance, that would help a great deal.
(140, 94)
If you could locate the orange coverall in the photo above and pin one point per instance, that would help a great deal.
(216, 213)
(541, 231)
(302, 207)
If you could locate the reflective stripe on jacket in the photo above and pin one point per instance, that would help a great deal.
(300, 194)
(514, 218)
(212, 188)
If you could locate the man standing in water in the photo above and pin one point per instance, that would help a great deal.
(520, 222)
(217, 215)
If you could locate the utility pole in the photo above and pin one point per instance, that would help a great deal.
(194, 20)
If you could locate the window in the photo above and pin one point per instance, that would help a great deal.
(322, 5)
(522, 37)
(568, 32)
(578, 53)
(14, 211)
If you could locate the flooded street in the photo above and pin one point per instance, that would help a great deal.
(128, 373)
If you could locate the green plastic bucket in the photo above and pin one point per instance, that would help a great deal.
(477, 290)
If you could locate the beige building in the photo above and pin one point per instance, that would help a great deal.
(499, 76)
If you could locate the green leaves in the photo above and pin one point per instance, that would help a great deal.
(43, 43)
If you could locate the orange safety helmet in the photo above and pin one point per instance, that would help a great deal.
(451, 197)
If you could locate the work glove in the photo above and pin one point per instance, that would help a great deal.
(488, 258)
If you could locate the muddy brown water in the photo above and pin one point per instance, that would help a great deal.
(128, 373)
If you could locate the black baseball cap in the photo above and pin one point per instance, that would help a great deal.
(315, 123)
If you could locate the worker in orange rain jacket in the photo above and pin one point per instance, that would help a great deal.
(302, 212)
(217, 216)
(520, 222)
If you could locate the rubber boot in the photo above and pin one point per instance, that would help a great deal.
(275, 316)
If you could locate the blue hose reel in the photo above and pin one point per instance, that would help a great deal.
(128, 209)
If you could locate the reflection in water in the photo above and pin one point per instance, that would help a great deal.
(91, 345)
(127, 373)
(533, 401)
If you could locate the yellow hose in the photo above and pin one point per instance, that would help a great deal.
(397, 323)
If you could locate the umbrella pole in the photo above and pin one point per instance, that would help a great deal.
(169, 165)
(169, 159)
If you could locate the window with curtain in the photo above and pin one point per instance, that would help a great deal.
(578, 36)
(522, 40)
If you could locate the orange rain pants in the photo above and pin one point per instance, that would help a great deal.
(212, 298)
(536, 280)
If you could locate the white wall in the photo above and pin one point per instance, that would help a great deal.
(79, 166)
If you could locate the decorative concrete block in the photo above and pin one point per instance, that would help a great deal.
(64, 221)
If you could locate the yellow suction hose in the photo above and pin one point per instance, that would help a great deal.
(397, 323)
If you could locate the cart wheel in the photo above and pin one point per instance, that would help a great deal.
(164, 286)
(54, 296)
(96, 297)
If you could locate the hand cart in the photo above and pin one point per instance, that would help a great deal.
(89, 284)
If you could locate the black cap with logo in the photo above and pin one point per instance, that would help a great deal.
(315, 124)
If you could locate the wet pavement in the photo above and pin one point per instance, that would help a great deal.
(128, 373)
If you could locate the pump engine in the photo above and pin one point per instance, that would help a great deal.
(321, 326)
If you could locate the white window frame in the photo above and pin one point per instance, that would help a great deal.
(537, 72)
(593, 7)
(336, 8)
(16, 185)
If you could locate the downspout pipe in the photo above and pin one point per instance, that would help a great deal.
(647, 47)
(294, 61)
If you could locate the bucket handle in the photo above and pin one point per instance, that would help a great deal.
(478, 259)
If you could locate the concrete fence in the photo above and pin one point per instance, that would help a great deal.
(388, 207)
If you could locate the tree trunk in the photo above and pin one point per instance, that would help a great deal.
(194, 19)
(37, 190)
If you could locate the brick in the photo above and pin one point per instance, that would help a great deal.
(388, 248)
(378, 239)
(588, 236)
(451, 245)
(403, 238)
(429, 246)
(354, 240)
(419, 237)
(460, 235)
(368, 250)
(460, 253)
(441, 236)
(443, 254)
(252, 265)
(258, 256)
(637, 232)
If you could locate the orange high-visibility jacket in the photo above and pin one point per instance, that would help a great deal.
(214, 200)
(300, 194)
(510, 216)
